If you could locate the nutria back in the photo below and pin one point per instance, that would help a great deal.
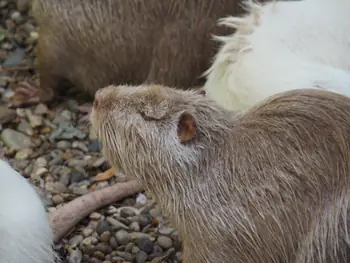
(267, 185)
(94, 43)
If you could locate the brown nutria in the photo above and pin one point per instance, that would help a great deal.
(90, 44)
(270, 184)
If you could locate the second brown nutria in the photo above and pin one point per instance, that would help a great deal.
(89, 44)
(267, 185)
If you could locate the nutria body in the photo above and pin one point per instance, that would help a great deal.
(268, 185)
(279, 46)
(94, 43)
(25, 233)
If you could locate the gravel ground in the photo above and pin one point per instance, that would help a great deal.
(50, 145)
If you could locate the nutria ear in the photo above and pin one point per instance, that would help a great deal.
(186, 127)
(154, 112)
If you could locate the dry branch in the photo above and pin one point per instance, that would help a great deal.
(66, 217)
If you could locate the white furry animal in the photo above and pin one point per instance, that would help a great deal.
(25, 233)
(280, 46)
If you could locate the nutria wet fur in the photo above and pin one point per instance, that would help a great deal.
(94, 43)
(268, 185)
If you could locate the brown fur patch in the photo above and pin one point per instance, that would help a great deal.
(96, 43)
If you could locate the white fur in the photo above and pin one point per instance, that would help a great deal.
(25, 233)
(280, 46)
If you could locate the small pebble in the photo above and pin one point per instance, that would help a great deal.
(41, 109)
(141, 199)
(141, 257)
(87, 232)
(75, 241)
(77, 176)
(6, 115)
(154, 212)
(95, 216)
(135, 226)
(166, 231)
(103, 226)
(88, 241)
(60, 187)
(122, 237)
(57, 199)
(129, 247)
(3, 3)
(25, 127)
(113, 243)
(127, 212)
(63, 145)
(165, 242)
(145, 244)
(178, 256)
(23, 154)
(127, 256)
(98, 162)
(40, 162)
(15, 140)
(76, 256)
(99, 255)
(66, 114)
(117, 224)
(80, 145)
(105, 236)
(41, 171)
(94, 146)
(35, 120)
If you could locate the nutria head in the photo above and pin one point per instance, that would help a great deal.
(158, 134)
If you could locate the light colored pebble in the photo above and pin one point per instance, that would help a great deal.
(57, 199)
(122, 237)
(165, 242)
(23, 154)
(75, 241)
(41, 171)
(76, 256)
(135, 226)
(40, 109)
(95, 216)
(87, 232)
(141, 199)
(88, 241)
(116, 224)
(63, 145)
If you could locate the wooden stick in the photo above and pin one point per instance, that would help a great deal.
(66, 217)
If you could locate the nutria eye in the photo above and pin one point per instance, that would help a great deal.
(144, 116)
(142, 113)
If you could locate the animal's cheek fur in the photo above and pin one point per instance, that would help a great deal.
(113, 156)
